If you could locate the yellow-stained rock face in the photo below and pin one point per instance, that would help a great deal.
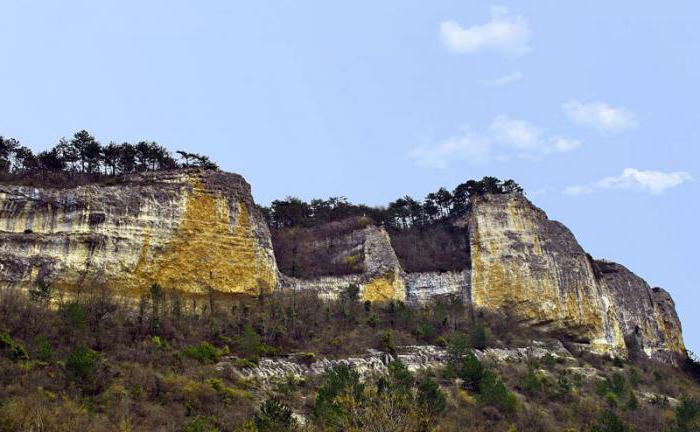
(389, 286)
(206, 253)
(523, 261)
(199, 232)
(196, 232)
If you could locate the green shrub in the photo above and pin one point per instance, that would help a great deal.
(494, 393)
(430, 398)
(41, 293)
(200, 424)
(479, 337)
(548, 361)
(398, 379)
(388, 342)
(273, 416)
(632, 402)
(608, 421)
(372, 321)
(251, 347)
(341, 380)
(687, 416)
(228, 394)
(44, 350)
(158, 342)
(75, 314)
(602, 388)
(425, 331)
(531, 383)
(634, 377)
(617, 384)
(82, 363)
(612, 400)
(458, 346)
(15, 350)
(470, 371)
(204, 352)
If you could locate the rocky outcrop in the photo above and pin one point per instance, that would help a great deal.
(415, 358)
(194, 231)
(422, 287)
(523, 261)
(647, 316)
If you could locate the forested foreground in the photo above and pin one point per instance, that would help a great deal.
(93, 363)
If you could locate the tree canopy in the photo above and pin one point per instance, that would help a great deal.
(402, 213)
(83, 154)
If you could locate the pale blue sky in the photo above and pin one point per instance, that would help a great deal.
(374, 100)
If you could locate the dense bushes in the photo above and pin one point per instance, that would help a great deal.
(435, 247)
(329, 249)
(465, 365)
(396, 400)
(308, 252)
(204, 352)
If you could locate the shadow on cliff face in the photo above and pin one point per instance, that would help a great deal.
(336, 248)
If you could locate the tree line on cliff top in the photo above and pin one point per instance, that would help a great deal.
(83, 155)
(402, 213)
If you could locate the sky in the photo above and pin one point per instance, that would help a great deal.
(591, 106)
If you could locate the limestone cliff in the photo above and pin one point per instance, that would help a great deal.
(200, 232)
(193, 231)
(647, 316)
(524, 261)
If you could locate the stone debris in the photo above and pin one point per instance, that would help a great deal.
(415, 357)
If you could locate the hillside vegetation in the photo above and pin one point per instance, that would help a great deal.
(94, 363)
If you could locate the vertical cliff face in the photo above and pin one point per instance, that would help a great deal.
(523, 261)
(647, 316)
(200, 232)
(197, 232)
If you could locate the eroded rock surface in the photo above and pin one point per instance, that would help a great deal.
(416, 357)
(647, 316)
(200, 232)
(523, 261)
(196, 231)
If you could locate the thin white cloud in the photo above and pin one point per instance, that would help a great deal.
(600, 116)
(504, 80)
(516, 133)
(651, 181)
(578, 190)
(540, 192)
(505, 33)
(468, 147)
(655, 182)
(564, 145)
(505, 138)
